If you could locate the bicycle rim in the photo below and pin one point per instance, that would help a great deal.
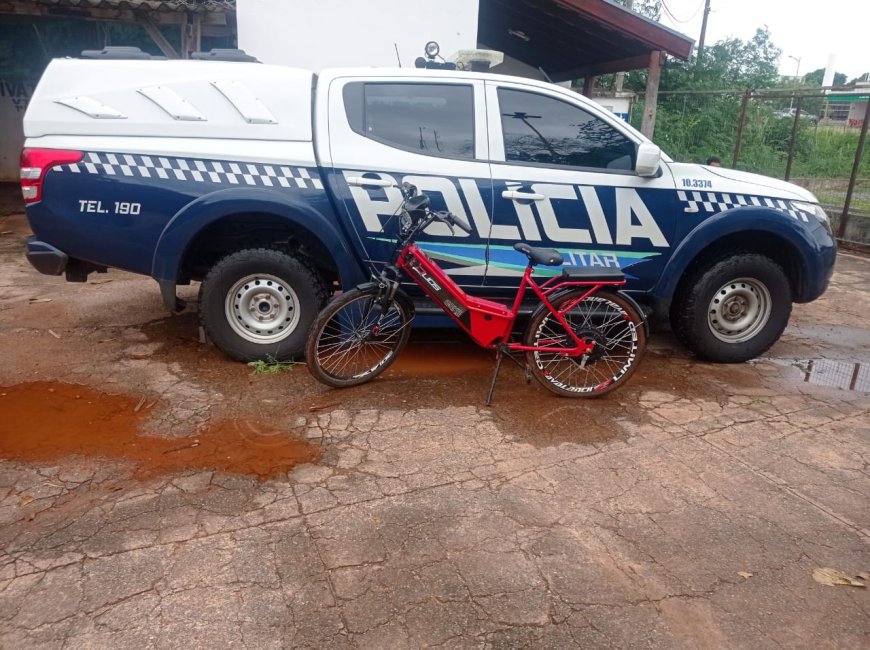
(617, 331)
(357, 339)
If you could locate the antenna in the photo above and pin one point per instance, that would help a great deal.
(397, 54)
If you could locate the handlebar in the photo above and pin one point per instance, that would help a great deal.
(460, 222)
(409, 191)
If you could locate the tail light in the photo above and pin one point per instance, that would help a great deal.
(35, 164)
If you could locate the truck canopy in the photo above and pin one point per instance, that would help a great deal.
(183, 99)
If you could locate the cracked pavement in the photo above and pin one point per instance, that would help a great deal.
(687, 510)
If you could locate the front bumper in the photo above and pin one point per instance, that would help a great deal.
(45, 258)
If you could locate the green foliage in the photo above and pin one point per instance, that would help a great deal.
(816, 77)
(692, 126)
(652, 9)
(270, 366)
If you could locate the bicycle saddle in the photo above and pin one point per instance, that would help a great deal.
(545, 256)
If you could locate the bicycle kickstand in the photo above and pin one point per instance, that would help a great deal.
(499, 355)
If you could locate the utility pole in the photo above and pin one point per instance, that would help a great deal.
(703, 29)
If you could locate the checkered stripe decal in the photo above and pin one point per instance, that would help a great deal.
(191, 170)
(718, 201)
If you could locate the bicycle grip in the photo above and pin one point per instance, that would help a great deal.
(462, 223)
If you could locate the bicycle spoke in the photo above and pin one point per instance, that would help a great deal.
(360, 337)
(596, 319)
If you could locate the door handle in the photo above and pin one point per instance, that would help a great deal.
(524, 196)
(371, 182)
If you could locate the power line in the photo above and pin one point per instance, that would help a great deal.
(673, 16)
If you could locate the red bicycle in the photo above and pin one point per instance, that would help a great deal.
(584, 339)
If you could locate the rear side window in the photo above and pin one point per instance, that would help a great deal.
(432, 119)
(546, 130)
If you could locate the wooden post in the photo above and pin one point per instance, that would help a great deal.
(741, 124)
(795, 131)
(197, 32)
(588, 85)
(155, 34)
(648, 125)
(191, 34)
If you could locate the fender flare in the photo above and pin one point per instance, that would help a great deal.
(761, 220)
(207, 209)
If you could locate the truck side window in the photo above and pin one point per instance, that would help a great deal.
(432, 119)
(545, 130)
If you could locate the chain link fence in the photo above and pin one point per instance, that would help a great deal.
(812, 138)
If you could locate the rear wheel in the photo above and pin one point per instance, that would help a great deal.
(356, 337)
(259, 303)
(607, 319)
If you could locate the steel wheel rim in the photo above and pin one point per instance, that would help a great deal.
(345, 346)
(262, 308)
(618, 332)
(739, 310)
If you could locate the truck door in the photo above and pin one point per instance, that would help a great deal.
(563, 177)
(428, 131)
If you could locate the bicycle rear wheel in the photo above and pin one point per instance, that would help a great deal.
(605, 318)
(356, 337)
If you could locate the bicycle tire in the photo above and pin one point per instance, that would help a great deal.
(605, 317)
(342, 350)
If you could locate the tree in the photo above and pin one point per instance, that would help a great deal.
(817, 76)
(729, 64)
(652, 9)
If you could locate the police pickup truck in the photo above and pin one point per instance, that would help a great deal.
(272, 186)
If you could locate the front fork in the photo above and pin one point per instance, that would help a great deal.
(386, 293)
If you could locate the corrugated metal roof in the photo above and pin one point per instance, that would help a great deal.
(144, 5)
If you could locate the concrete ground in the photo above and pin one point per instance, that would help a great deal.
(154, 494)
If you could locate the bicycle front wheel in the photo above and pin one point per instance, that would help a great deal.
(607, 319)
(356, 337)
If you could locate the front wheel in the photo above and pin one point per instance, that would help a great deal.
(733, 309)
(356, 337)
(608, 320)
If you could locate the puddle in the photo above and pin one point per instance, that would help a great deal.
(45, 422)
(832, 373)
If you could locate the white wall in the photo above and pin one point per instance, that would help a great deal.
(317, 34)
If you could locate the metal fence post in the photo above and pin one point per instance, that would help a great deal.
(859, 154)
(795, 129)
(740, 124)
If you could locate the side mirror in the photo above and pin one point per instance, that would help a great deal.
(649, 159)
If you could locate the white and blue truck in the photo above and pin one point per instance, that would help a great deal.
(272, 187)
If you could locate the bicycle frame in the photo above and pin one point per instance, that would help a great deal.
(490, 323)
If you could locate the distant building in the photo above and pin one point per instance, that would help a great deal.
(849, 106)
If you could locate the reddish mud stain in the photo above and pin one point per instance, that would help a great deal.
(44, 421)
(445, 357)
(442, 368)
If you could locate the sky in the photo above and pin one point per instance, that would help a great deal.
(803, 29)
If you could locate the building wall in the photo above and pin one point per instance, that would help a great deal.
(331, 33)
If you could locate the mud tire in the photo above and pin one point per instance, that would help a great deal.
(692, 310)
(295, 290)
